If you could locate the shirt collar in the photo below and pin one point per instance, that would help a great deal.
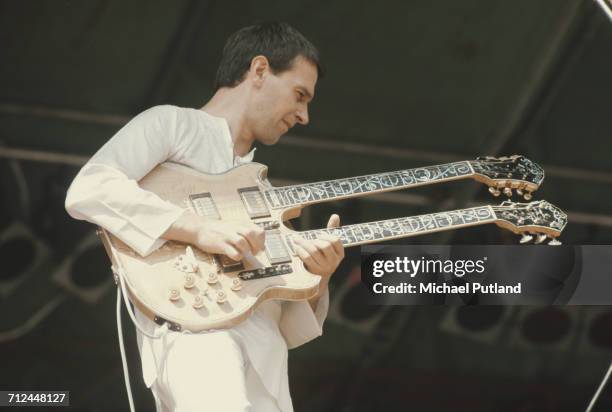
(237, 159)
(247, 157)
(227, 137)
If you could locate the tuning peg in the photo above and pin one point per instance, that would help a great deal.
(508, 191)
(494, 191)
(519, 192)
(554, 242)
(540, 238)
(525, 238)
(527, 196)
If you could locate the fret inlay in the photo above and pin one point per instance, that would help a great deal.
(313, 192)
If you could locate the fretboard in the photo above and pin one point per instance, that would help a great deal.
(343, 188)
(364, 233)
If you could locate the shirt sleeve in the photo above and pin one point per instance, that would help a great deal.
(299, 324)
(105, 191)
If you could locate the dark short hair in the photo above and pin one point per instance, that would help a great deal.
(278, 42)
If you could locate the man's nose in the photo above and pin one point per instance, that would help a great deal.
(302, 116)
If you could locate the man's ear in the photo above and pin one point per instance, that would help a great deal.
(259, 69)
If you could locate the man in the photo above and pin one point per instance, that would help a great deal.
(265, 81)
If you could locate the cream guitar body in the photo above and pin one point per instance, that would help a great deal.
(199, 291)
(196, 291)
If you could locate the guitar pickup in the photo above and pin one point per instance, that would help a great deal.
(204, 205)
(275, 248)
(254, 202)
(266, 272)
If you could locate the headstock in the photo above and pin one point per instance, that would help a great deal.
(507, 173)
(535, 218)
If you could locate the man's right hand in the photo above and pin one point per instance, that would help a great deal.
(231, 238)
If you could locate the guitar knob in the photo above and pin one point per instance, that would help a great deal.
(520, 221)
(212, 278)
(508, 192)
(174, 294)
(525, 238)
(189, 281)
(236, 284)
(494, 191)
(527, 196)
(221, 297)
(198, 302)
(519, 192)
(554, 242)
(540, 238)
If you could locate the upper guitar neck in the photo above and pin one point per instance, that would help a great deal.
(364, 233)
(308, 193)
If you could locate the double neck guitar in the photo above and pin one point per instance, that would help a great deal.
(196, 291)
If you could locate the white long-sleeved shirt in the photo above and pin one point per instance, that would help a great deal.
(105, 192)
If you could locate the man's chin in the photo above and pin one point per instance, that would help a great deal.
(270, 140)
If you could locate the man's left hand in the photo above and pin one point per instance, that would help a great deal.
(321, 256)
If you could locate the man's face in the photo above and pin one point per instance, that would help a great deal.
(282, 100)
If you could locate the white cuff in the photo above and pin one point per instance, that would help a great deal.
(300, 324)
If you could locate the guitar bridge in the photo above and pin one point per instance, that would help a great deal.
(228, 264)
(268, 224)
(266, 272)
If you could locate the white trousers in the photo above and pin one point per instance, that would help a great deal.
(195, 379)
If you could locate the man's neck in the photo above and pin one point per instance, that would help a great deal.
(230, 104)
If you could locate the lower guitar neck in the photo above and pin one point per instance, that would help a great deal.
(372, 232)
(309, 193)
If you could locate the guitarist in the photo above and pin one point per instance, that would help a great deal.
(264, 83)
